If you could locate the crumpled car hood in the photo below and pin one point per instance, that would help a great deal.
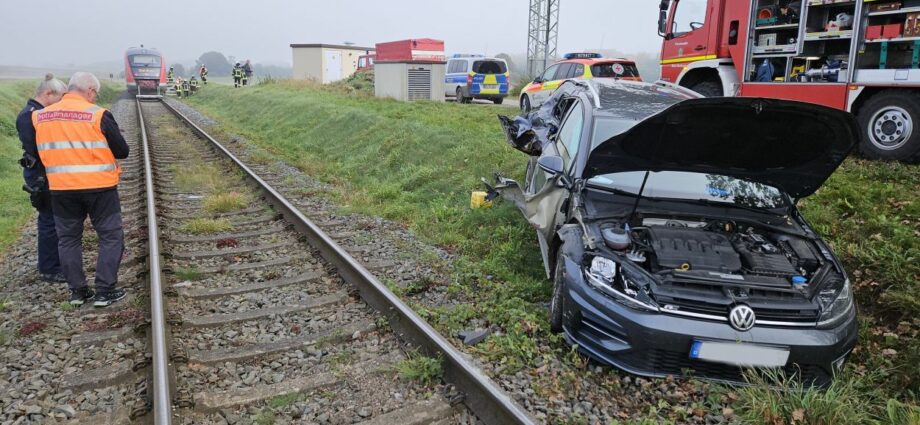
(790, 145)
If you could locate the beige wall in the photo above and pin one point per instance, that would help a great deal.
(391, 80)
(310, 62)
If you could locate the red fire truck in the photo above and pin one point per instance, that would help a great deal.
(861, 56)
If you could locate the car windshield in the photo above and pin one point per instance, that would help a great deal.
(147, 60)
(694, 187)
(489, 67)
(615, 70)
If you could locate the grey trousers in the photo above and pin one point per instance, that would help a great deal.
(104, 211)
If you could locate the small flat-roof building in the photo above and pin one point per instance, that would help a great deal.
(326, 62)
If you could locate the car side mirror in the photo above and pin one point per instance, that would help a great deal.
(538, 80)
(696, 25)
(551, 164)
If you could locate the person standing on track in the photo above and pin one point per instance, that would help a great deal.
(48, 93)
(78, 143)
(237, 75)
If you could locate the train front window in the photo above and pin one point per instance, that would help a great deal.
(145, 60)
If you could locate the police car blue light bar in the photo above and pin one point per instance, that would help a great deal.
(582, 55)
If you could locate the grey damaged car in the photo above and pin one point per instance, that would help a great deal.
(668, 226)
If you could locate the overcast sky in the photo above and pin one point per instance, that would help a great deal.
(67, 33)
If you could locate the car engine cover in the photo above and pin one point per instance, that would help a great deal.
(698, 249)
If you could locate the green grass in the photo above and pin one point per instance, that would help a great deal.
(420, 368)
(224, 202)
(416, 163)
(188, 274)
(4, 303)
(15, 209)
(206, 226)
(66, 306)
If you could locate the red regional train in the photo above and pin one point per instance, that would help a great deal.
(145, 71)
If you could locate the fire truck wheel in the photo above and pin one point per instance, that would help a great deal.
(708, 88)
(889, 123)
(525, 104)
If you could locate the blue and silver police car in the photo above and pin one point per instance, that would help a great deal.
(476, 77)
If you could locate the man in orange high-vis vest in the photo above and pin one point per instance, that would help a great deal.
(78, 143)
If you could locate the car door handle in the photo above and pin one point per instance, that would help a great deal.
(700, 47)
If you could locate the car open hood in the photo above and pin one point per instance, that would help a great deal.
(793, 146)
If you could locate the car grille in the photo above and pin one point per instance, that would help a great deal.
(769, 305)
(680, 364)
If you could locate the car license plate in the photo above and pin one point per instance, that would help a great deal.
(739, 354)
(490, 86)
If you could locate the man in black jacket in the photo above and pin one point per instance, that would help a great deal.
(48, 92)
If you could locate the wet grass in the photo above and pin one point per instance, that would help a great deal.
(206, 226)
(416, 163)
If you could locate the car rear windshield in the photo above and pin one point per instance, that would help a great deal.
(615, 70)
(489, 67)
(694, 186)
(148, 60)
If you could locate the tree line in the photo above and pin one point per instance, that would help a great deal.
(220, 65)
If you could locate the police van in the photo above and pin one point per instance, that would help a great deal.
(476, 77)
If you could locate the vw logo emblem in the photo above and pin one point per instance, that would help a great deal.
(741, 317)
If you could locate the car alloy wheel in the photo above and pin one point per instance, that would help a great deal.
(525, 104)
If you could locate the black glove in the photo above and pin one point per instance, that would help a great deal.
(40, 200)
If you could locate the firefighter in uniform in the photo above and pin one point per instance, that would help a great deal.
(78, 143)
(171, 75)
(177, 84)
(48, 93)
(237, 75)
(203, 72)
(193, 84)
(186, 88)
(247, 72)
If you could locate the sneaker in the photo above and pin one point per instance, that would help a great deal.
(53, 278)
(78, 297)
(105, 299)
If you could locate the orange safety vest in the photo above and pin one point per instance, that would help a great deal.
(72, 147)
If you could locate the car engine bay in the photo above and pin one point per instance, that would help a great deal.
(718, 251)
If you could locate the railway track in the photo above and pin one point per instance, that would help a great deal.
(268, 312)
(240, 310)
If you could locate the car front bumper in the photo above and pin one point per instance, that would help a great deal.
(658, 344)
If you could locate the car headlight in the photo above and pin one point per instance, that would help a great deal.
(836, 302)
(608, 277)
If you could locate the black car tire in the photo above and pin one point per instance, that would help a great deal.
(558, 299)
(525, 104)
(708, 88)
(884, 119)
(460, 98)
(498, 101)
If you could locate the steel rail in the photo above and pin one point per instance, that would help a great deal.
(162, 403)
(491, 404)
